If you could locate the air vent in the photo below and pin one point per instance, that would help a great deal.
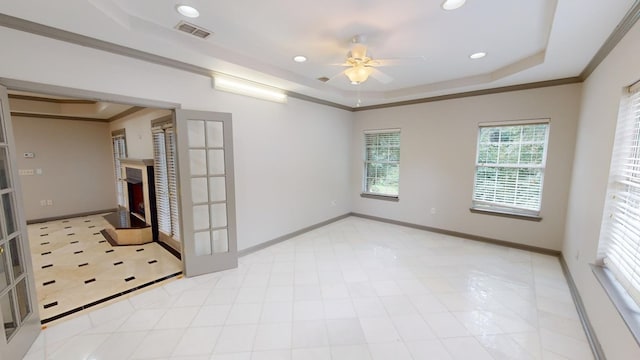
(193, 29)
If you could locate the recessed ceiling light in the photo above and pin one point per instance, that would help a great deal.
(300, 58)
(452, 4)
(188, 11)
(478, 55)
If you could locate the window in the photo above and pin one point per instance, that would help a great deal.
(119, 142)
(510, 166)
(382, 163)
(619, 248)
(164, 154)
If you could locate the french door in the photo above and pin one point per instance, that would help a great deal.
(18, 302)
(205, 163)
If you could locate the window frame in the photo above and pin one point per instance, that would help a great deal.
(607, 272)
(494, 208)
(621, 213)
(119, 137)
(365, 162)
(170, 224)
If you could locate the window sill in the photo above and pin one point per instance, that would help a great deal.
(505, 214)
(627, 308)
(380, 197)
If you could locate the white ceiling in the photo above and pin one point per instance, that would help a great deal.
(526, 40)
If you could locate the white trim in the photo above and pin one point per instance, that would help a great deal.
(378, 131)
(515, 122)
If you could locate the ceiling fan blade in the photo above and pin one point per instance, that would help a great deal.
(398, 61)
(380, 76)
(340, 74)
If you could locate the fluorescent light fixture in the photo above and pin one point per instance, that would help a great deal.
(188, 11)
(452, 4)
(248, 88)
(478, 55)
(300, 58)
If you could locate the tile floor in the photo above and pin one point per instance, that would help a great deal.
(355, 289)
(75, 266)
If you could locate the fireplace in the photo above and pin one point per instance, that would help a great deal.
(135, 191)
(140, 192)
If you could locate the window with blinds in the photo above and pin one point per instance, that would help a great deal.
(510, 165)
(619, 247)
(164, 153)
(118, 140)
(382, 162)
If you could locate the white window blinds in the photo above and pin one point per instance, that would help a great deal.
(172, 178)
(161, 182)
(510, 166)
(164, 152)
(382, 162)
(119, 152)
(620, 235)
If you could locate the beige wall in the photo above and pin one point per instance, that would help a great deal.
(437, 158)
(75, 158)
(291, 160)
(596, 129)
(284, 184)
(138, 132)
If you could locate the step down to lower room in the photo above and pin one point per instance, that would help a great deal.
(127, 229)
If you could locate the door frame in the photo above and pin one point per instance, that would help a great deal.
(25, 340)
(30, 327)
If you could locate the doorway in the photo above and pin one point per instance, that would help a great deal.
(68, 166)
(207, 245)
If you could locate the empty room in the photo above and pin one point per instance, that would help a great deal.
(335, 180)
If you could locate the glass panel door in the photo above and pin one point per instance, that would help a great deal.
(206, 179)
(18, 303)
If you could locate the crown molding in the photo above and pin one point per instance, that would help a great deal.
(19, 24)
(57, 117)
(527, 86)
(629, 20)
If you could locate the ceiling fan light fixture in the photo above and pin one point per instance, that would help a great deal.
(188, 11)
(358, 74)
(478, 55)
(452, 4)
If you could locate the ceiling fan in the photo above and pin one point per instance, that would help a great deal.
(361, 65)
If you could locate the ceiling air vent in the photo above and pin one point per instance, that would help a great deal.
(324, 79)
(193, 29)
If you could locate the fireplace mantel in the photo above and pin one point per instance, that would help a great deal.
(136, 162)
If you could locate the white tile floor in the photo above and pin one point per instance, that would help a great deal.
(355, 289)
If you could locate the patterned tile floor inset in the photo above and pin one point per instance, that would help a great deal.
(75, 267)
